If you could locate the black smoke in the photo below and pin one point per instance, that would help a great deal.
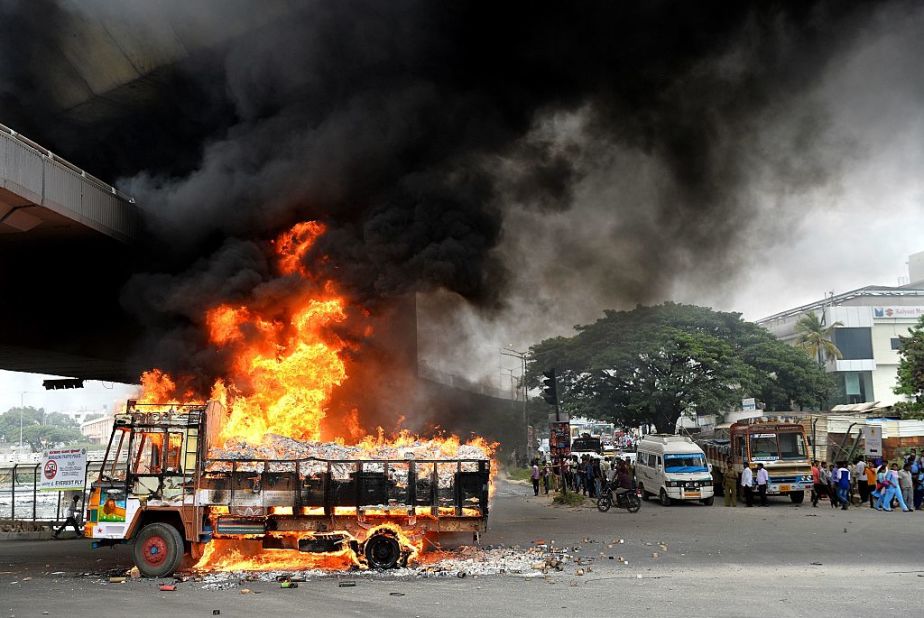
(409, 127)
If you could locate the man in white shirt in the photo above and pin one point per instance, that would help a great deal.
(747, 483)
(763, 479)
(859, 471)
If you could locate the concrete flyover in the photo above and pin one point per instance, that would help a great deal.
(43, 194)
(66, 249)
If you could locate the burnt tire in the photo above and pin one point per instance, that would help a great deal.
(158, 550)
(382, 551)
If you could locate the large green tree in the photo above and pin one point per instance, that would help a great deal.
(652, 364)
(911, 367)
(39, 428)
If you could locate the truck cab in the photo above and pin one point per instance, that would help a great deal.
(779, 445)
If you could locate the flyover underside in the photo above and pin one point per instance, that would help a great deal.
(14, 358)
(60, 306)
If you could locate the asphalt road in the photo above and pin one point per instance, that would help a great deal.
(783, 560)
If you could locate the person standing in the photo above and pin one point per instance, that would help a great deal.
(747, 484)
(598, 476)
(832, 485)
(606, 469)
(630, 470)
(589, 477)
(534, 475)
(843, 485)
(918, 489)
(881, 487)
(871, 482)
(817, 485)
(546, 476)
(73, 517)
(730, 484)
(860, 475)
(763, 480)
(906, 484)
(891, 491)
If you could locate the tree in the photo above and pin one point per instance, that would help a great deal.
(911, 367)
(652, 364)
(815, 338)
(40, 437)
(37, 425)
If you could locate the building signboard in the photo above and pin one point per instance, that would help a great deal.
(887, 313)
(749, 404)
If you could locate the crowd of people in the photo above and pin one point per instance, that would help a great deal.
(881, 485)
(585, 475)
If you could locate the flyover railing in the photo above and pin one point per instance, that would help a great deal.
(42, 177)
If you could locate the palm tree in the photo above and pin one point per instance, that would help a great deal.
(815, 338)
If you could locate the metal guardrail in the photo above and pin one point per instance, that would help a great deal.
(37, 174)
(21, 500)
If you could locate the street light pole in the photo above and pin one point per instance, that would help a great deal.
(22, 404)
(522, 356)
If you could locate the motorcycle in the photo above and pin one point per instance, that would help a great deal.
(621, 497)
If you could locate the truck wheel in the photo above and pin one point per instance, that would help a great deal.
(158, 550)
(382, 551)
(665, 500)
(797, 497)
(709, 501)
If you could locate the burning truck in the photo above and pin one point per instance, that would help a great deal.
(265, 473)
(167, 488)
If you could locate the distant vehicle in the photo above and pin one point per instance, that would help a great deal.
(781, 447)
(673, 468)
(586, 445)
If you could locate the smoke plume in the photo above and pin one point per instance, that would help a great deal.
(525, 157)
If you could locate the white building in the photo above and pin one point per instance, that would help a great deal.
(97, 430)
(916, 270)
(871, 320)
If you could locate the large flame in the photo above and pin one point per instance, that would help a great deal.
(286, 361)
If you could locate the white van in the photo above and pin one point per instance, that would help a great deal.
(673, 468)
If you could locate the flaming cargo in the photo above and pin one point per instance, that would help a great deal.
(282, 504)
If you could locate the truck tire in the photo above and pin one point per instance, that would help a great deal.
(709, 501)
(665, 500)
(797, 497)
(158, 550)
(382, 551)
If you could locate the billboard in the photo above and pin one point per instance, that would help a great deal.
(63, 470)
(559, 440)
(872, 435)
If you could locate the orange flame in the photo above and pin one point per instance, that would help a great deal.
(286, 363)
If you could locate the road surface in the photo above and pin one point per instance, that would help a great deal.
(783, 560)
